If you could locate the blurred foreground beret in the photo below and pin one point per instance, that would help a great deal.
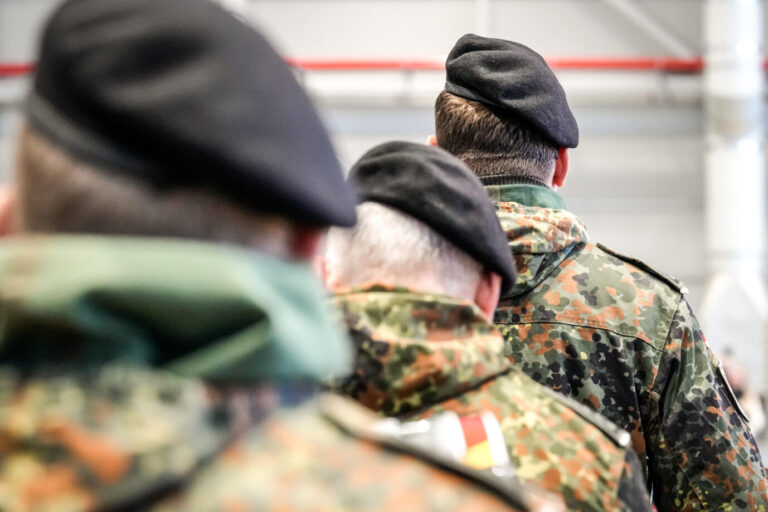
(179, 93)
(434, 187)
(514, 80)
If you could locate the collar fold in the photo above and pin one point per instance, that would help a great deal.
(415, 349)
(201, 310)
(526, 195)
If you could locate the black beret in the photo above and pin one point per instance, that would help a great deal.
(512, 79)
(434, 187)
(181, 94)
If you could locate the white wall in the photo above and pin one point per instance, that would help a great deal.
(427, 27)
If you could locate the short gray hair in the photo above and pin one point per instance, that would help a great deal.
(389, 247)
(59, 193)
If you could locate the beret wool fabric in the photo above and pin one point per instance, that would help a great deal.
(180, 93)
(434, 187)
(514, 80)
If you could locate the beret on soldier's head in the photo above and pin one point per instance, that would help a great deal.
(434, 187)
(179, 93)
(514, 80)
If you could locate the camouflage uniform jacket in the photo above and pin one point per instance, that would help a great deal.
(619, 337)
(419, 354)
(93, 418)
(133, 439)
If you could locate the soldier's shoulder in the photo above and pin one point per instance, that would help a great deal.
(619, 436)
(598, 288)
(546, 432)
(638, 269)
(299, 460)
(548, 399)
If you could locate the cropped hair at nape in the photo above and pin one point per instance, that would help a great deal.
(493, 145)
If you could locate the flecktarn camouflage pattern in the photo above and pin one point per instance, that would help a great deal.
(421, 354)
(129, 438)
(299, 461)
(92, 419)
(101, 440)
(620, 338)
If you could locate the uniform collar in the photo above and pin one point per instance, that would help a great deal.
(202, 310)
(527, 195)
(415, 349)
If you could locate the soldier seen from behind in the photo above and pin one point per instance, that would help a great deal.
(162, 331)
(418, 279)
(602, 328)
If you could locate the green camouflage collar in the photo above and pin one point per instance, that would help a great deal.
(540, 239)
(200, 310)
(416, 349)
(527, 195)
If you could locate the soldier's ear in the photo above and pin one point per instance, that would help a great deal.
(322, 271)
(328, 272)
(432, 140)
(562, 164)
(487, 293)
(7, 207)
(305, 242)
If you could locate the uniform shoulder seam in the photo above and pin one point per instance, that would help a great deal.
(619, 436)
(672, 282)
(666, 340)
(575, 323)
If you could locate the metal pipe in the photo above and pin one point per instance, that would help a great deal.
(735, 309)
(623, 81)
(661, 64)
(664, 64)
(10, 70)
